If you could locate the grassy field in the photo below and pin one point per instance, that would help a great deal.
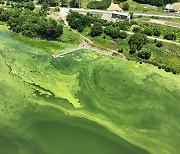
(145, 8)
(83, 103)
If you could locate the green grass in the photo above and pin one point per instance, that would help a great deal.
(144, 8)
(83, 102)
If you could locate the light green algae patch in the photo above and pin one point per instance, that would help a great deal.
(102, 104)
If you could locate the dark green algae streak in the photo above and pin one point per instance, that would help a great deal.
(124, 107)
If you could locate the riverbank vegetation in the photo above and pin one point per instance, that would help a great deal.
(31, 24)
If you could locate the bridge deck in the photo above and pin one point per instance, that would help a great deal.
(65, 53)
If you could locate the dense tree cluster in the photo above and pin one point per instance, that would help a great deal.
(115, 32)
(103, 4)
(156, 2)
(79, 21)
(31, 24)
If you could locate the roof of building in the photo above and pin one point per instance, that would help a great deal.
(121, 13)
(114, 7)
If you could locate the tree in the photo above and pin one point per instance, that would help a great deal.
(125, 6)
(138, 40)
(96, 29)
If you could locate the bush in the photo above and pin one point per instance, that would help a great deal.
(125, 6)
(122, 35)
(131, 15)
(156, 32)
(137, 29)
(56, 9)
(74, 4)
(133, 49)
(120, 50)
(144, 55)
(159, 44)
(170, 36)
(148, 32)
(29, 6)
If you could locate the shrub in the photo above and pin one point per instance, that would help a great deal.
(125, 6)
(122, 35)
(136, 29)
(56, 9)
(156, 32)
(133, 49)
(29, 6)
(170, 36)
(144, 55)
(159, 44)
(131, 15)
(120, 50)
(148, 32)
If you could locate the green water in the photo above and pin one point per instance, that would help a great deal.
(83, 103)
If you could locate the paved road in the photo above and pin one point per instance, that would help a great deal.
(157, 15)
(106, 12)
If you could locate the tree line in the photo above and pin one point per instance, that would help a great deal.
(31, 24)
(156, 2)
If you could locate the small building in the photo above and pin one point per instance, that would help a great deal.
(120, 15)
(167, 7)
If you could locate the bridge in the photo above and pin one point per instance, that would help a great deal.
(65, 53)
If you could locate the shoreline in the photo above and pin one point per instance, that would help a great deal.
(95, 48)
